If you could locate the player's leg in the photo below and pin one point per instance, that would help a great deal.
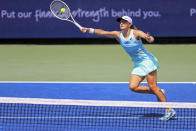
(134, 84)
(152, 83)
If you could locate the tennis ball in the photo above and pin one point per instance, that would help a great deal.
(63, 10)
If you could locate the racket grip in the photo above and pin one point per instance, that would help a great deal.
(79, 26)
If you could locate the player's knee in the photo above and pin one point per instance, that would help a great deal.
(153, 87)
(133, 87)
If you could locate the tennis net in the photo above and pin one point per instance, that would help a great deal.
(32, 114)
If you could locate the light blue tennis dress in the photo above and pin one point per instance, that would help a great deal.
(144, 62)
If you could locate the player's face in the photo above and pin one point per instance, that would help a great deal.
(124, 24)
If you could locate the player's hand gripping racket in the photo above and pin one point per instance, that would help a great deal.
(61, 11)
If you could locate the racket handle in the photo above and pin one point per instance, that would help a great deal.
(79, 26)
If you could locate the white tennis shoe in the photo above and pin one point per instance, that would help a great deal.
(168, 115)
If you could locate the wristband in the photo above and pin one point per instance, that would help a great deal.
(91, 31)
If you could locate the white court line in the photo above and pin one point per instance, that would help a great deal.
(89, 82)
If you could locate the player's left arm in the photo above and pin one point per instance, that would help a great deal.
(146, 36)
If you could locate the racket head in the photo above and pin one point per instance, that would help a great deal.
(56, 7)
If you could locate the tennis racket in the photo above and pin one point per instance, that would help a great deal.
(61, 11)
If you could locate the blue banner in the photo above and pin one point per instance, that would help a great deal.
(33, 19)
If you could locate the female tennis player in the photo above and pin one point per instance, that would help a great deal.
(145, 64)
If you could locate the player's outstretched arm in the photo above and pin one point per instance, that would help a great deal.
(109, 34)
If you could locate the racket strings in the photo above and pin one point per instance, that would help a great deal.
(56, 7)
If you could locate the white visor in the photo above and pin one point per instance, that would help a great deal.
(127, 18)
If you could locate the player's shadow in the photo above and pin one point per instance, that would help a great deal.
(149, 116)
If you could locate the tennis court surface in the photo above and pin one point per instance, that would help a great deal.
(75, 106)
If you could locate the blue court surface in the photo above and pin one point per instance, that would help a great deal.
(109, 91)
(175, 92)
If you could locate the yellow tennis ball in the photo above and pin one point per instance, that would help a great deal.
(63, 10)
